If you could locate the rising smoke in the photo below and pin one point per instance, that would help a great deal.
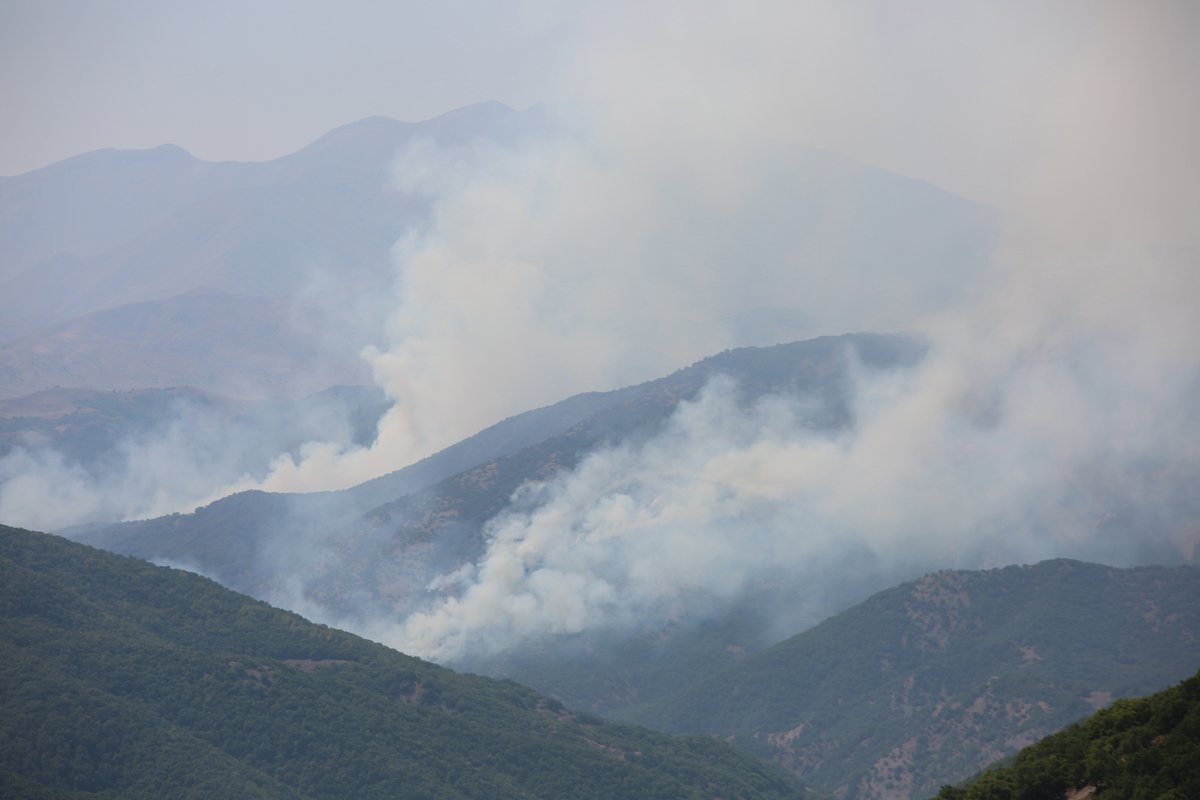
(1053, 415)
(159, 452)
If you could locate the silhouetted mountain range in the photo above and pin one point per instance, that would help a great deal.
(293, 256)
(113, 227)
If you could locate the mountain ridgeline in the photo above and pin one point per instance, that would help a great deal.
(95, 231)
(143, 269)
(371, 550)
(930, 681)
(369, 553)
(123, 679)
(152, 268)
(870, 703)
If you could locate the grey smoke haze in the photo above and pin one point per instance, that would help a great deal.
(945, 467)
(164, 459)
(614, 255)
(1061, 383)
(1061, 396)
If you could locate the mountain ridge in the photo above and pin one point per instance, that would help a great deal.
(238, 346)
(389, 512)
(954, 670)
(91, 218)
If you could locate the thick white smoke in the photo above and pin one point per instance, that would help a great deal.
(945, 467)
(1055, 413)
(676, 202)
(678, 198)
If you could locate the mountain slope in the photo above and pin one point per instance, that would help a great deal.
(389, 551)
(342, 558)
(1143, 748)
(234, 345)
(124, 679)
(347, 558)
(116, 227)
(928, 682)
(100, 431)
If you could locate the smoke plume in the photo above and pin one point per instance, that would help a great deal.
(1054, 415)
(686, 191)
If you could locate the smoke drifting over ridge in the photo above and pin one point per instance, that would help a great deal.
(621, 251)
(680, 195)
(145, 454)
(1056, 413)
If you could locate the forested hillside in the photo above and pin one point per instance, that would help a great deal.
(1144, 749)
(926, 683)
(122, 679)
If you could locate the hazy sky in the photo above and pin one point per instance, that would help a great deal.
(254, 80)
(934, 89)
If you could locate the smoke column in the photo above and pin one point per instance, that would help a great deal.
(1055, 413)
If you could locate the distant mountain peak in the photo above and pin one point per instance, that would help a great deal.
(366, 144)
(476, 109)
(368, 126)
(149, 156)
(167, 150)
(159, 153)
